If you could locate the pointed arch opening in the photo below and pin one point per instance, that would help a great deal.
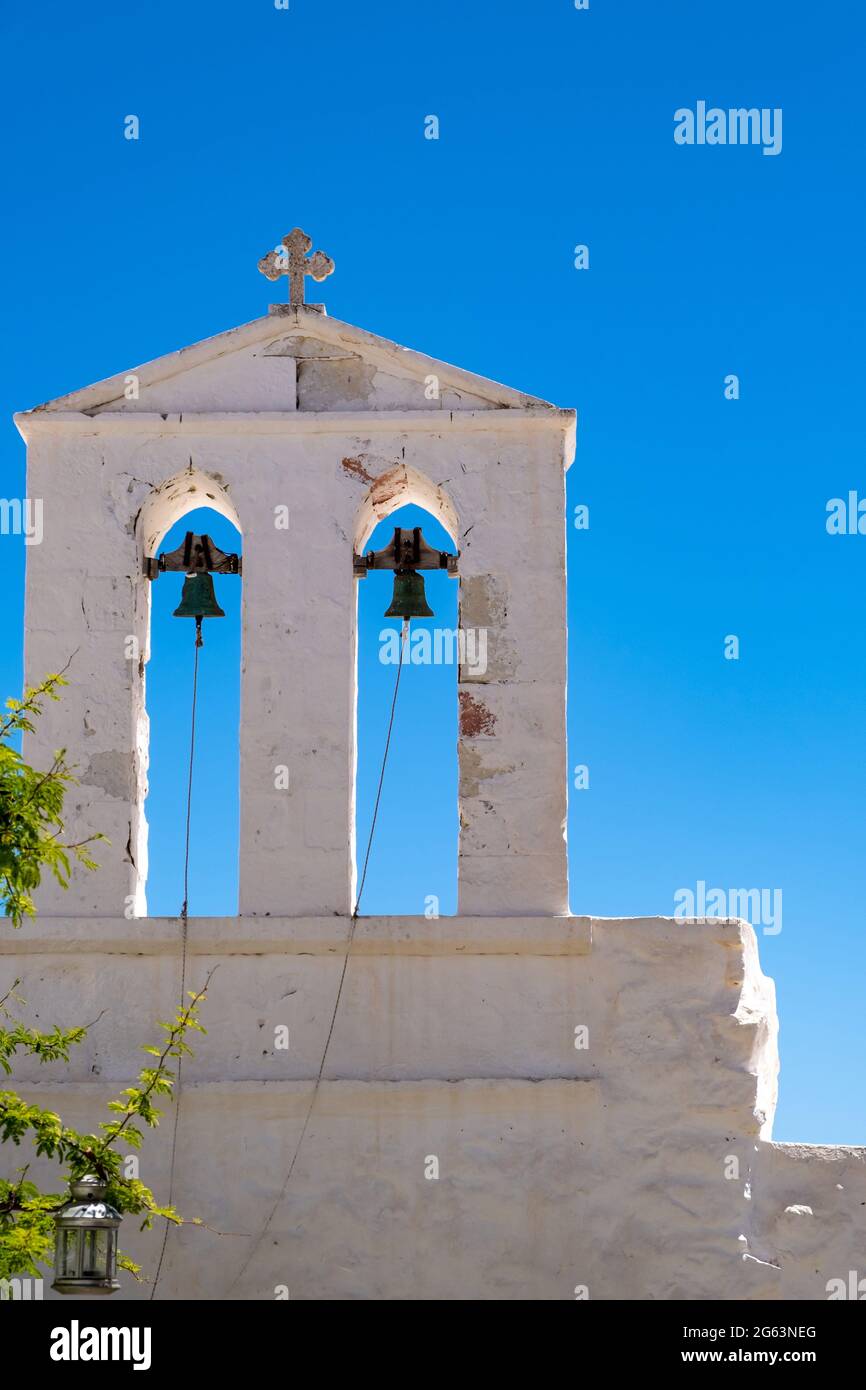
(413, 862)
(195, 502)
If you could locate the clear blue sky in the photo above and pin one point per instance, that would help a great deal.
(707, 515)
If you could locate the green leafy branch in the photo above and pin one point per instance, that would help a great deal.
(31, 810)
(26, 1214)
(31, 842)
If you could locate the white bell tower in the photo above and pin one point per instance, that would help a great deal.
(297, 415)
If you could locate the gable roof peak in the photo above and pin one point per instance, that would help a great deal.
(317, 335)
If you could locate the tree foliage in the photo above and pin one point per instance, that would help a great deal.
(31, 842)
(31, 810)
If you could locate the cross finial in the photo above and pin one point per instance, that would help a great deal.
(292, 261)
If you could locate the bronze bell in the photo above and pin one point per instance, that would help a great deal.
(409, 599)
(198, 599)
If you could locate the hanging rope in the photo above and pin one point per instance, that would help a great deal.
(382, 773)
(184, 925)
(271, 1214)
(184, 909)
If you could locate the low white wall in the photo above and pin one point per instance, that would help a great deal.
(638, 1166)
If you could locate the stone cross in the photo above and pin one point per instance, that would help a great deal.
(293, 262)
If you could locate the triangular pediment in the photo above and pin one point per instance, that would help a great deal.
(294, 359)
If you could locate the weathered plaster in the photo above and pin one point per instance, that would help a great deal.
(598, 1093)
(607, 1165)
(493, 476)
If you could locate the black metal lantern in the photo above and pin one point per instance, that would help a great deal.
(85, 1253)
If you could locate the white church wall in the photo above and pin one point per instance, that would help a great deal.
(634, 1165)
(503, 474)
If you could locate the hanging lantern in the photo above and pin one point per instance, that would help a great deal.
(409, 599)
(198, 599)
(85, 1253)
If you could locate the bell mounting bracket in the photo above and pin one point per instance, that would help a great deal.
(197, 555)
(408, 551)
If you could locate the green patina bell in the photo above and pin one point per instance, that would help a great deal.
(198, 599)
(409, 599)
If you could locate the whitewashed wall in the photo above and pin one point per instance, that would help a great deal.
(637, 1166)
(341, 443)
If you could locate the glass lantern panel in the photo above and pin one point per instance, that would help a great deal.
(69, 1243)
(95, 1261)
